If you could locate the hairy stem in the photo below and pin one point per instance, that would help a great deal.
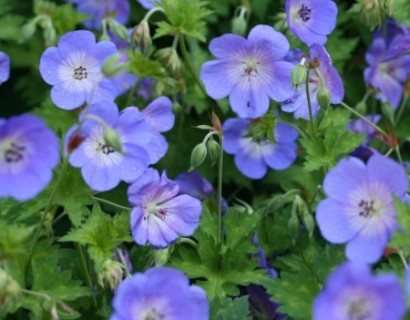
(113, 204)
(312, 122)
(219, 194)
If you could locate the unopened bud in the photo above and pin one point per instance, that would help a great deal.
(299, 75)
(49, 35)
(198, 155)
(214, 150)
(142, 35)
(28, 30)
(10, 290)
(361, 107)
(118, 29)
(239, 23)
(323, 97)
(112, 139)
(308, 222)
(112, 66)
(111, 274)
(170, 57)
(216, 123)
(161, 256)
(293, 226)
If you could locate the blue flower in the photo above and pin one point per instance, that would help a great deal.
(311, 20)
(323, 76)
(159, 293)
(352, 292)
(97, 10)
(74, 70)
(249, 71)
(252, 158)
(4, 67)
(29, 151)
(159, 215)
(359, 208)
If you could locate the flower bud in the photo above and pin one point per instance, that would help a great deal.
(308, 222)
(161, 256)
(299, 75)
(198, 155)
(293, 226)
(49, 35)
(170, 57)
(361, 107)
(111, 274)
(28, 30)
(323, 97)
(142, 35)
(216, 123)
(112, 66)
(10, 290)
(118, 29)
(239, 23)
(112, 139)
(214, 150)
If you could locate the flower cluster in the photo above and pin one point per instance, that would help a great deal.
(159, 214)
(359, 208)
(29, 152)
(389, 63)
(159, 293)
(352, 292)
(252, 157)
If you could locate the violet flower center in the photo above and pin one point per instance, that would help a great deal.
(369, 208)
(80, 73)
(158, 212)
(250, 68)
(14, 153)
(304, 13)
(358, 310)
(106, 149)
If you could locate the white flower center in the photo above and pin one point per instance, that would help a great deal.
(154, 210)
(12, 152)
(80, 73)
(250, 67)
(358, 310)
(370, 208)
(152, 314)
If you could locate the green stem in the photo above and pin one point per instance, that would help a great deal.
(403, 259)
(401, 109)
(131, 94)
(364, 118)
(190, 66)
(191, 242)
(310, 105)
(85, 269)
(113, 204)
(219, 194)
(397, 149)
(44, 216)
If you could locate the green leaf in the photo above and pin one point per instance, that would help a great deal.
(102, 233)
(184, 17)
(13, 239)
(230, 309)
(334, 141)
(401, 238)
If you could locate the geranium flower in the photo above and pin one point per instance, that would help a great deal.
(388, 66)
(159, 293)
(102, 166)
(4, 67)
(29, 151)
(323, 76)
(97, 10)
(249, 71)
(359, 208)
(159, 214)
(352, 292)
(74, 70)
(311, 20)
(252, 158)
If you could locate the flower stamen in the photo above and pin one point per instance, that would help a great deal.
(14, 153)
(80, 73)
(304, 13)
